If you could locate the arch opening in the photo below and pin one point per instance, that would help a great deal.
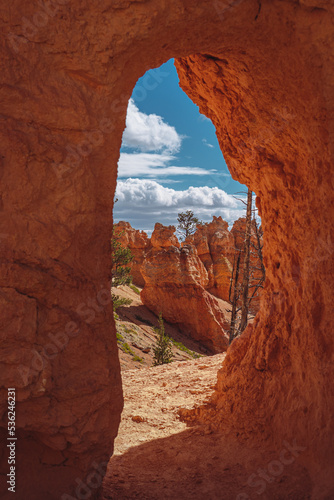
(57, 253)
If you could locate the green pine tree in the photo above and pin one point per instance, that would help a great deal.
(187, 223)
(121, 272)
(163, 349)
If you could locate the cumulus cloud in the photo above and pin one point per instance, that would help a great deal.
(154, 164)
(149, 132)
(143, 202)
(206, 143)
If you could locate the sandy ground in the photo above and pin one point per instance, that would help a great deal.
(153, 397)
(158, 457)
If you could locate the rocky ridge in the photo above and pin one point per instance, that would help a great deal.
(188, 282)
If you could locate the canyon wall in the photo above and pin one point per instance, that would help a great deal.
(139, 244)
(263, 73)
(175, 282)
(277, 372)
(215, 248)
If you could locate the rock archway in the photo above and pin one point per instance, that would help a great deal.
(262, 73)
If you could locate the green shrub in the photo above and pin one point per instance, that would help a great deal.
(129, 330)
(120, 301)
(134, 289)
(127, 349)
(121, 256)
(163, 349)
(183, 348)
(137, 358)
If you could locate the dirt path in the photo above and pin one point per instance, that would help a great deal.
(158, 457)
(154, 395)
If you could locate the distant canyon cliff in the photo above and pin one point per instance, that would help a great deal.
(188, 282)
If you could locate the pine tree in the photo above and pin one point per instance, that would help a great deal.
(121, 273)
(163, 349)
(187, 223)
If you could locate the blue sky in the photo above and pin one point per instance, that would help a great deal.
(170, 158)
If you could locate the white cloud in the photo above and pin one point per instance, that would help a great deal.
(143, 202)
(206, 143)
(149, 132)
(153, 164)
(203, 118)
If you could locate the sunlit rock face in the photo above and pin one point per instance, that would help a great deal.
(215, 248)
(263, 73)
(139, 244)
(218, 248)
(164, 237)
(175, 282)
(275, 377)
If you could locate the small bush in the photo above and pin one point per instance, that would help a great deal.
(137, 358)
(183, 348)
(134, 289)
(120, 301)
(163, 349)
(129, 330)
(127, 349)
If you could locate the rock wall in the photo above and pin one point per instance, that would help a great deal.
(275, 378)
(175, 282)
(255, 272)
(139, 244)
(262, 71)
(211, 252)
(215, 248)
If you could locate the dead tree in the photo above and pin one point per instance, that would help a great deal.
(257, 281)
(235, 291)
(248, 264)
(245, 278)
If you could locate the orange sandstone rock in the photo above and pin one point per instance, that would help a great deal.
(215, 247)
(175, 281)
(138, 242)
(263, 73)
(164, 237)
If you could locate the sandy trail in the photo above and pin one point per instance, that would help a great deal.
(154, 395)
(158, 457)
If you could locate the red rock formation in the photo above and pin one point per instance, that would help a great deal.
(175, 281)
(214, 246)
(238, 232)
(275, 376)
(138, 242)
(262, 71)
(164, 237)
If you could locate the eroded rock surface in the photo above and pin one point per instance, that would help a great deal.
(139, 244)
(215, 248)
(263, 72)
(175, 281)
